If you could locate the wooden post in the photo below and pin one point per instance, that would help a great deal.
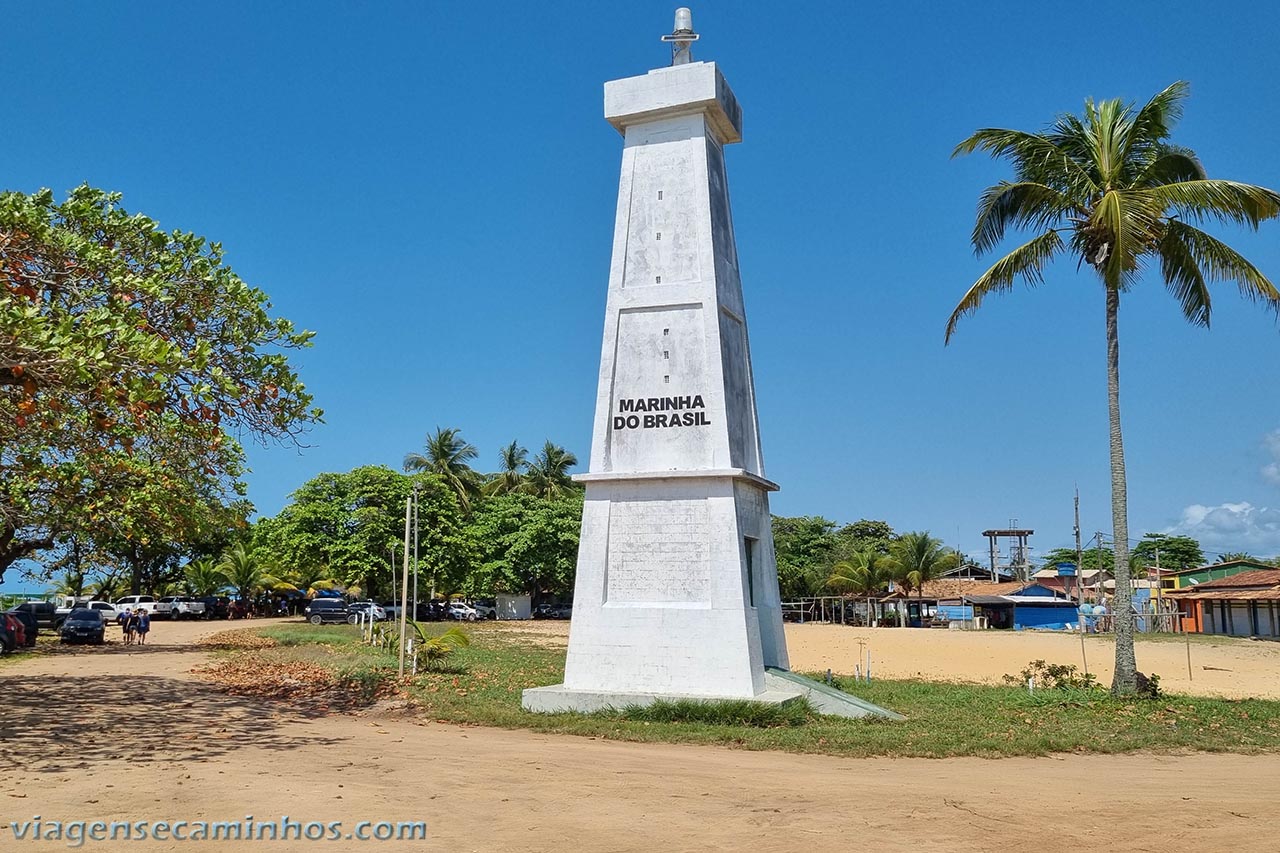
(404, 584)
(1084, 657)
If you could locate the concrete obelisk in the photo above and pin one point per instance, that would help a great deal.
(677, 590)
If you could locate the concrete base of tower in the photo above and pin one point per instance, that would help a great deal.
(558, 699)
(781, 687)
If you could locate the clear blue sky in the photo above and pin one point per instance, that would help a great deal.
(431, 188)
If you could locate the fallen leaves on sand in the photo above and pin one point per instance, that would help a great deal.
(243, 638)
(255, 676)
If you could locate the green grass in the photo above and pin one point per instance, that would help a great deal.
(943, 719)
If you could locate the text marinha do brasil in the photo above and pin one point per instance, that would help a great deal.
(657, 412)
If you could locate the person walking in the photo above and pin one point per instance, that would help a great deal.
(127, 625)
(144, 626)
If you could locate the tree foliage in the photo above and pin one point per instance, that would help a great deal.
(1175, 552)
(129, 357)
(526, 544)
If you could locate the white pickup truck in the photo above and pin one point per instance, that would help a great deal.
(179, 607)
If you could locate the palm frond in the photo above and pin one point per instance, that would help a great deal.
(1027, 261)
(1224, 201)
(1170, 164)
(1220, 262)
(1035, 157)
(1153, 123)
(1021, 204)
(1183, 277)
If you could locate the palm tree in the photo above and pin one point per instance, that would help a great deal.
(243, 571)
(108, 588)
(205, 577)
(917, 558)
(447, 454)
(865, 573)
(310, 576)
(549, 471)
(513, 461)
(1110, 189)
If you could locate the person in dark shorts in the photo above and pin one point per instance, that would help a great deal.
(128, 625)
(144, 626)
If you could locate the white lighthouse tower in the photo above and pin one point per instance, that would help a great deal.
(677, 588)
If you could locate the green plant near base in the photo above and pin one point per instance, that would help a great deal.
(743, 712)
(1054, 676)
(433, 649)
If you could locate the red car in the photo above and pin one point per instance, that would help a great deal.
(13, 633)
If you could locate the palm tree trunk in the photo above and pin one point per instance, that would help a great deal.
(1125, 680)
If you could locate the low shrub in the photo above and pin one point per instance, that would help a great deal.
(735, 712)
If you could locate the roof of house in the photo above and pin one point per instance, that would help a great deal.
(1255, 577)
(1215, 566)
(956, 588)
(1256, 585)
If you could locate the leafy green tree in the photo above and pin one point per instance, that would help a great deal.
(513, 463)
(343, 527)
(119, 339)
(448, 456)
(1090, 558)
(548, 475)
(804, 547)
(524, 543)
(863, 534)
(1232, 556)
(1109, 189)
(1175, 552)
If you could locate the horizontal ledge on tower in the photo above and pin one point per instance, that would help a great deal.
(686, 474)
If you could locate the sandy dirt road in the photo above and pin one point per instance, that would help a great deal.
(1221, 666)
(117, 734)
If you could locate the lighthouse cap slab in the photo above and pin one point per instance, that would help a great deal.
(697, 87)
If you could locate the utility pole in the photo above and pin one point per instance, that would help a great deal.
(415, 551)
(404, 583)
(1100, 591)
(1079, 552)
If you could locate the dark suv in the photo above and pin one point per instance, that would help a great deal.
(45, 612)
(327, 611)
(216, 607)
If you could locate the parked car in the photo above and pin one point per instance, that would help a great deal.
(562, 611)
(359, 608)
(543, 611)
(178, 607)
(216, 607)
(83, 626)
(106, 608)
(136, 602)
(13, 633)
(432, 611)
(45, 613)
(30, 626)
(64, 604)
(486, 608)
(326, 611)
(462, 612)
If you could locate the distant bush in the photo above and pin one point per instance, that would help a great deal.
(1054, 676)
